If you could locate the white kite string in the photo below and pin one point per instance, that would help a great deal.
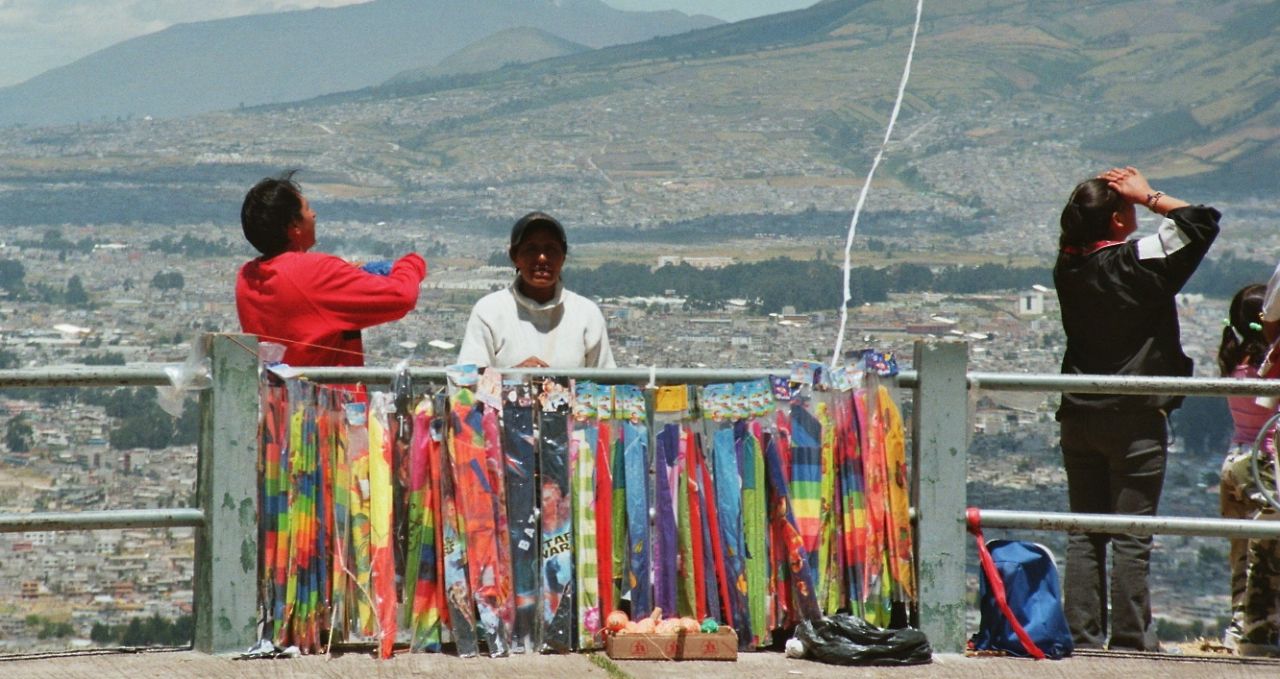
(866, 186)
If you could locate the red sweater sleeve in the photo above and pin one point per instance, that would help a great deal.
(354, 299)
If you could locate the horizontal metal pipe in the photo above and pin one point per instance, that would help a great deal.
(144, 375)
(626, 375)
(1034, 382)
(155, 374)
(1133, 525)
(1112, 384)
(97, 520)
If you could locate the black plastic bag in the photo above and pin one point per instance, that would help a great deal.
(844, 639)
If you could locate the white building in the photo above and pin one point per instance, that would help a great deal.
(1031, 303)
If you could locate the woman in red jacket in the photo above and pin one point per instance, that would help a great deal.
(312, 303)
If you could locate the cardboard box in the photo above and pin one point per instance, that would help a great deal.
(721, 645)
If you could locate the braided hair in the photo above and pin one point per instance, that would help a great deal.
(1242, 339)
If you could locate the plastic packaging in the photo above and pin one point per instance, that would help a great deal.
(190, 375)
(844, 639)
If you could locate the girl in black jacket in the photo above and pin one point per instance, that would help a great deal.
(1120, 317)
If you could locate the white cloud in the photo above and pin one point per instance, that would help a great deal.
(37, 35)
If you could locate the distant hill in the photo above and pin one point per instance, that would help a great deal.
(512, 46)
(744, 37)
(1061, 63)
(258, 59)
(1010, 103)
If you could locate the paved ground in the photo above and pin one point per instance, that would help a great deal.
(188, 664)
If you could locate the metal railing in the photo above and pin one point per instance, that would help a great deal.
(941, 384)
(94, 376)
(226, 613)
(225, 516)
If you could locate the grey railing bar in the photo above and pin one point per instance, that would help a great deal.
(154, 374)
(1041, 382)
(637, 375)
(1108, 384)
(906, 378)
(144, 375)
(97, 520)
(1134, 525)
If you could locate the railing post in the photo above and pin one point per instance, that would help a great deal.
(226, 594)
(940, 430)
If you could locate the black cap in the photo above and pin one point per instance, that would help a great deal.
(533, 220)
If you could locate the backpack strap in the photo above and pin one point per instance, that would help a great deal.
(974, 520)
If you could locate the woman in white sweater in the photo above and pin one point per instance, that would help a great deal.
(535, 322)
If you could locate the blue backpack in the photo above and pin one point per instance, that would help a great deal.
(1020, 600)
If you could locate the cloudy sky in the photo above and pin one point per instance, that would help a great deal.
(37, 35)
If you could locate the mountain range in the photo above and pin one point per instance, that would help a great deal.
(511, 46)
(250, 60)
(1187, 88)
(1009, 103)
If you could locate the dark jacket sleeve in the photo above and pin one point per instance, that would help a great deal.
(1177, 248)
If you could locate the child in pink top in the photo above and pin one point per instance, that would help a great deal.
(1255, 619)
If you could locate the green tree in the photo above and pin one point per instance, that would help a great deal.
(137, 432)
(171, 280)
(53, 240)
(133, 634)
(101, 634)
(120, 402)
(54, 396)
(142, 423)
(11, 274)
(75, 294)
(51, 629)
(183, 631)
(18, 434)
(186, 431)
(190, 246)
(1209, 556)
(157, 631)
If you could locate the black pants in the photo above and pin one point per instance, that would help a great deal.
(1115, 464)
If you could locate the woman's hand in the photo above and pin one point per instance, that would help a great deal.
(532, 362)
(1129, 183)
(1134, 188)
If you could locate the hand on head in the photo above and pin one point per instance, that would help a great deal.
(1134, 188)
(1129, 183)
